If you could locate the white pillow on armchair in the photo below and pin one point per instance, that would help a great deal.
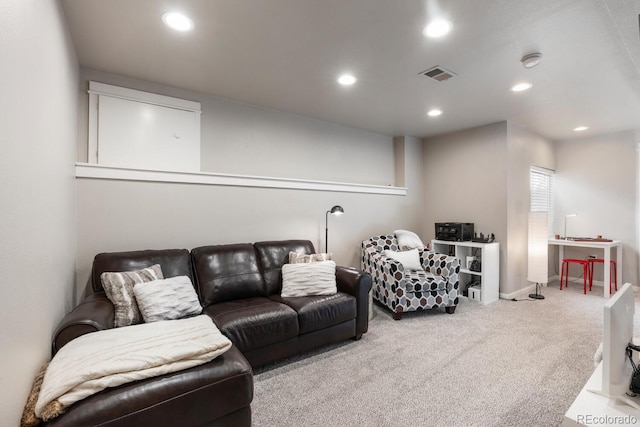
(409, 259)
(408, 240)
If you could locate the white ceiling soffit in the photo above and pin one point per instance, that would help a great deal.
(287, 54)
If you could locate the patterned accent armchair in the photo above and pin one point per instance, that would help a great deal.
(409, 290)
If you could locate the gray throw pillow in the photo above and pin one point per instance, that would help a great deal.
(296, 258)
(167, 299)
(119, 289)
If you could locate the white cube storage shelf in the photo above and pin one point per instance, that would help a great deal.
(488, 254)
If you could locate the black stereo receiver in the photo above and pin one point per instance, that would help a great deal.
(454, 231)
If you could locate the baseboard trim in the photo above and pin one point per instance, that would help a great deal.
(524, 292)
(531, 289)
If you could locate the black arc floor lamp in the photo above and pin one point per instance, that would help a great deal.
(336, 210)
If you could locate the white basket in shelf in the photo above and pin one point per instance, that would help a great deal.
(475, 293)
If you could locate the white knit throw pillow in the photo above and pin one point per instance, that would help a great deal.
(167, 299)
(306, 279)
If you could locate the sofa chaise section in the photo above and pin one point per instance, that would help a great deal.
(217, 393)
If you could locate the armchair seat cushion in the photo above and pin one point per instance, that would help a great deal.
(422, 281)
(319, 312)
(253, 323)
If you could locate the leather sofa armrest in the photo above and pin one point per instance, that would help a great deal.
(358, 284)
(94, 313)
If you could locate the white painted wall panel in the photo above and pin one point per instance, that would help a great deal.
(146, 136)
(243, 139)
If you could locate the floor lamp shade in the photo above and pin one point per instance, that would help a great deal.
(538, 266)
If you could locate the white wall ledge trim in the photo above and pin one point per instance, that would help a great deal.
(94, 171)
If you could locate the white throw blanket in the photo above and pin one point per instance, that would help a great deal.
(109, 358)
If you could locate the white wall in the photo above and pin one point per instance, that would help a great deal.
(465, 180)
(37, 189)
(409, 172)
(524, 150)
(244, 139)
(119, 215)
(596, 178)
(239, 138)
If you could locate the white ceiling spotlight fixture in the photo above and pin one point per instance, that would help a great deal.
(520, 87)
(580, 128)
(347, 80)
(177, 21)
(531, 60)
(435, 112)
(437, 28)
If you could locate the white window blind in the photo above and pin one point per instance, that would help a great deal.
(541, 191)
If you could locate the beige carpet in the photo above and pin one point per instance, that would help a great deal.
(504, 364)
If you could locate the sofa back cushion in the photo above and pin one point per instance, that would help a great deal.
(227, 272)
(272, 255)
(173, 262)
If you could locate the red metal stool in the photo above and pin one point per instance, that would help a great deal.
(585, 267)
(613, 272)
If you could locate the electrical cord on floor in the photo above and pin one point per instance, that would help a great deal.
(538, 289)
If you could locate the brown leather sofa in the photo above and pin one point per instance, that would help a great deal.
(239, 287)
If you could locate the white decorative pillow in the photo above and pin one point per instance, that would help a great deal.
(167, 299)
(306, 279)
(119, 290)
(409, 259)
(296, 258)
(408, 240)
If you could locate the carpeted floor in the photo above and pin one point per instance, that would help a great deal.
(504, 364)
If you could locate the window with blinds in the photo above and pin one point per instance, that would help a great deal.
(541, 192)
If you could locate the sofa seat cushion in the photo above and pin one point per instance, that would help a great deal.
(194, 396)
(422, 281)
(319, 312)
(252, 323)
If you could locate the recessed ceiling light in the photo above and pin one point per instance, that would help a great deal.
(347, 80)
(437, 28)
(581, 128)
(434, 112)
(531, 60)
(177, 21)
(521, 86)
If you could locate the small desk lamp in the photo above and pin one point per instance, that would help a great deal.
(565, 223)
(336, 210)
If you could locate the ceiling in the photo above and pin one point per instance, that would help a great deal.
(287, 54)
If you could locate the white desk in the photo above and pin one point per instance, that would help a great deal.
(591, 409)
(605, 246)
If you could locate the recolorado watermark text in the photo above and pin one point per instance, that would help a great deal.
(607, 420)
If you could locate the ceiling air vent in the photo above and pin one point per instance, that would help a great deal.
(438, 73)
